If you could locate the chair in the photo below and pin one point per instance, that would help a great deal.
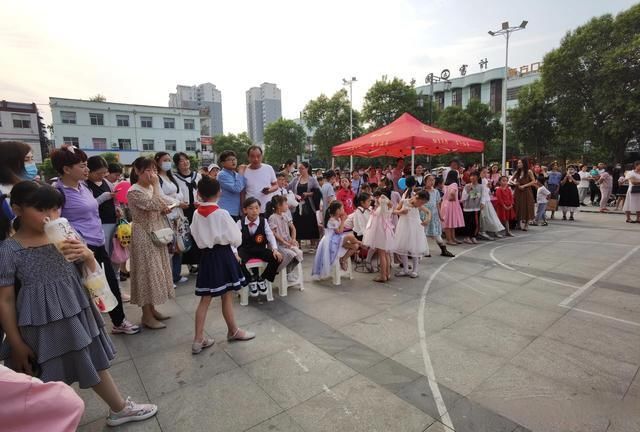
(284, 283)
(244, 291)
(338, 272)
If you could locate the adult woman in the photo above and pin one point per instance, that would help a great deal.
(150, 267)
(524, 180)
(569, 199)
(187, 182)
(304, 217)
(606, 187)
(632, 202)
(623, 186)
(16, 164)
(104, 195)
(81, 210)
(173, 196)
(287, 169)
(583, 186)
(374, 176)
(452, 216)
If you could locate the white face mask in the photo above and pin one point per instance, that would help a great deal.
(165, 166)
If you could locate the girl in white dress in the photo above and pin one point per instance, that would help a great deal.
(489, 221)
(632, 202)
(410, 238)
(379, 234)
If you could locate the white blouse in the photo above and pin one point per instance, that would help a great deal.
(210, 228)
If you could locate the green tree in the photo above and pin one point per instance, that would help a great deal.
(47, 169)
(283, 140)
(330, 119)
(98, 98)
(238, 143)
(387, 100)
(111, 157)
(594, 80)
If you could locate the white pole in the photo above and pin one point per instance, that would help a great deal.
(504, 108)
(351, 119)
(351, 163)
(413, 160)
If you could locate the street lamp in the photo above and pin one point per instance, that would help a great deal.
(506, 31)
(430, 79)
(350, 84)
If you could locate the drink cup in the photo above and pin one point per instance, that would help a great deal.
(59, 230)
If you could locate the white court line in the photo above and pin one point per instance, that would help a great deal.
(588, 286)
(633, 323)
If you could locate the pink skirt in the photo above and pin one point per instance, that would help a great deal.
(452, 213)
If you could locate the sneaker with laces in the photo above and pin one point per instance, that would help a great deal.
(131, 412)
(262, 286)
(253, 289)
(413, 275)
(126, 327)
(183, 279)
(401, 274)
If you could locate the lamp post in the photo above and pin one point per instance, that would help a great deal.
(350, 84)
(506, 31)
(430, 79)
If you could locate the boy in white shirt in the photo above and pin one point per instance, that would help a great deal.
(542, 198)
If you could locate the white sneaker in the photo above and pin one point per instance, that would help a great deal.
(183, 279)
(401, 274)
(132, 412)
(253, 289)
(262, 286)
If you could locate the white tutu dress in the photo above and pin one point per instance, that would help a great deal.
(489, 220)
(329, 250)
(379, 231)
(410, 237)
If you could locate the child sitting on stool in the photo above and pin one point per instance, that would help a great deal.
(256, 235)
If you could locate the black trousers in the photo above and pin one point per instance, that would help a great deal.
(471, 223)
(265, 255)
(594, 191)
(101, 256)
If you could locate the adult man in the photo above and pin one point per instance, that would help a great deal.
(583, 186)
(232, 183)
(260, 178)
(356, 182)
(397, 174)
(453, 165)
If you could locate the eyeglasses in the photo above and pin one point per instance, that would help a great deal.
(230, 159)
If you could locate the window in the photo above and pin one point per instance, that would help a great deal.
(124, 144)
(456, 97)
(439, 97)
(146, 122)
(476, 91)
(189, 124)
(190, 145)
(147, 144)
(96, 119)
(512, 93)
(169, 123)
(99, 143)
(122, 120)
(495, 96)
(21, 121)
(71, 141)
(68, 117)
(170, 145)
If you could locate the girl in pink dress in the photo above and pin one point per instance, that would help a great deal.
(379, 234)
(452, 217)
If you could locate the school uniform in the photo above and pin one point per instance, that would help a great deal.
(256, 236)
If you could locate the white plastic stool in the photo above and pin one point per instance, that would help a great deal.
(338, 272)
(244, 291)
(284, 283)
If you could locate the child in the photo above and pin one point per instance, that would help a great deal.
(379, 233)
(334, 244)
(505, 210)
(410, 239)
(542, 198)
(346, 196)
(358, 220)
(284, 231)
(471, 207)
(452, 217)
(434, 228)
(489, 221)
(54, 331)
(256, 234)
(219, 275)
(555, 176)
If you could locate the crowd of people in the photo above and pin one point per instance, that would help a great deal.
(215, 221)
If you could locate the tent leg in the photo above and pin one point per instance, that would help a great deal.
(482, 163)
(351, 163)
(413, 161)
(333, 163)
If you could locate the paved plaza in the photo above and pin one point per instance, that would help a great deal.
(540, 332)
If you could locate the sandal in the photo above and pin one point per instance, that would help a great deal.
(380, 279)
(240, 335)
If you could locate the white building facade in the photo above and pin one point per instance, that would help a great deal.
(204, 97)
(264, 106)
(21, 122)
(128, 130)
(485, 86)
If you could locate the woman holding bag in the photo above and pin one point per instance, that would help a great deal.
(151, 280)
(306, 187)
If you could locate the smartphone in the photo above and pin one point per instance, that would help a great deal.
(265, 191)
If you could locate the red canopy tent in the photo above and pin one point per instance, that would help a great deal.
(407, 136)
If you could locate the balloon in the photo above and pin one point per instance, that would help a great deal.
(402, 183)
(121, 190)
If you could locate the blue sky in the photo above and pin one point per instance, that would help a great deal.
(137, 51)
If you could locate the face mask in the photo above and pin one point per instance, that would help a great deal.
(30, 171)
(166, 166)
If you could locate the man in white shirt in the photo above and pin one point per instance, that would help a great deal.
(583, 186)
(260, 179)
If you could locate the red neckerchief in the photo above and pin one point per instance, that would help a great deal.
(207, 210)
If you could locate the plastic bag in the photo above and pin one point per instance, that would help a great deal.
(123, 232)
(98, 288)
(184, 241)
(119, 254)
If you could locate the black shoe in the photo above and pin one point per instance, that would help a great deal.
(564, 218)
(445, 252)
(193, 269)
(124, 276)
(262, 286)
(571, 218)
